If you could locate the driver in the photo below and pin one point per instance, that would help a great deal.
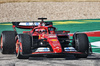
(43, 31)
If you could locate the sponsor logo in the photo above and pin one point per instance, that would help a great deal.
(41, 49)
(69, 49)
(27, 23)
(52, 36)
(36, 23)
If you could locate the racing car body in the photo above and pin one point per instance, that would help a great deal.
(43, 40)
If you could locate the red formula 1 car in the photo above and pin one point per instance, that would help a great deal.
(43, 40)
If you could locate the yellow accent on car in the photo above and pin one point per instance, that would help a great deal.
(53, 39)
(39, 36)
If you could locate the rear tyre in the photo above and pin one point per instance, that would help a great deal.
(24, 46)
(8, 42)
(81, 44)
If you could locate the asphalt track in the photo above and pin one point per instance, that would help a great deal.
(70, 60)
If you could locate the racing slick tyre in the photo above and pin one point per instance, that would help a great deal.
(81, 44)
(8, 42)
(20, 56)
(23, 46)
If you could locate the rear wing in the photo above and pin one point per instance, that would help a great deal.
(29, 25)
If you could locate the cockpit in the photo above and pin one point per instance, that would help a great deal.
(51, 30)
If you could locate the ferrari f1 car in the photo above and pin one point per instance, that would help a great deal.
(43, 40)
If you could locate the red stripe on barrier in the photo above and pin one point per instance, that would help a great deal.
(91, 34)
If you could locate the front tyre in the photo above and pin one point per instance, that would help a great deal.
(19, 54)
(23, 46)
(81, 44)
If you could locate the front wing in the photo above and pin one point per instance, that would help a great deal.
(46, 51)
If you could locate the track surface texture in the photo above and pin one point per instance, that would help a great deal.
(30, 11)
(5, 1)
(70, 60)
